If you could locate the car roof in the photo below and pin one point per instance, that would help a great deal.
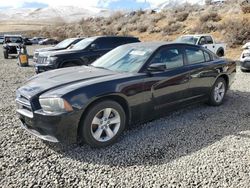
(158, 44)
(12, 35)
(196, 35)
(110, 36)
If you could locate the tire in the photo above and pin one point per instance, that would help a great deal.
(5, 54)
(97, 129)
(220, 53)
(244, 70)
(218, 92)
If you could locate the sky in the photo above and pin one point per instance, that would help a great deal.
(110, 4)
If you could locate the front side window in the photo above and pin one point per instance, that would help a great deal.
(170, 57)
(209, 40)
(194, 55)
(207, 56)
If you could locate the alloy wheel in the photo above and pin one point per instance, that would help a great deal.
(105, 124)
(219, 92)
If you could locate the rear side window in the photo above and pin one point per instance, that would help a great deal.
(195, 55)
(105, 43)
(209, 40)
(207, 56)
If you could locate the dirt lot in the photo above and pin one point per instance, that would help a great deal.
(199, 146)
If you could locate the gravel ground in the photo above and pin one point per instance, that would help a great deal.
(199, 146)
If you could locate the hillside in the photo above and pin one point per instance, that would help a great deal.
(226, 23)
(53, 14)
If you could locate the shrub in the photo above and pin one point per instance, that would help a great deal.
(210, 16)
(237, 32)
(142, 28)
(245, 7)
(182, 16)
(172, 28)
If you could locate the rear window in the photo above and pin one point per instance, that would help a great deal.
(195, 55)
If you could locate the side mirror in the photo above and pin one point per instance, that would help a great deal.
(157, 67)
(93, 47)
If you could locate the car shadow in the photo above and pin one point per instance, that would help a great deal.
(178, 134)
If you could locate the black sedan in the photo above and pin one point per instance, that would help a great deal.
(132, 83)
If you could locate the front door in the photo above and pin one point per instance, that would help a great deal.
(166, 88)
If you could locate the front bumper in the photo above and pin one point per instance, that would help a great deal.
(53, 128)
(245, 65)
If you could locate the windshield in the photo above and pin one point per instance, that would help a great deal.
(187, 39)
(124, 59)
(65, 43)
(83, 43)
(13, 40)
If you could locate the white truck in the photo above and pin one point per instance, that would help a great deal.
(245, 58)
(206, 41)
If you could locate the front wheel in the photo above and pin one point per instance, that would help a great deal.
(218, 92)
(103, 124)
(5, 54)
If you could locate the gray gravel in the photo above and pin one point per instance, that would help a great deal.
(199, 146)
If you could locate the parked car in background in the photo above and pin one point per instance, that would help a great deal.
(206, 41)
(130, 84)
(48, 42)
(35, 40)
(245, 58)
(27, 41)
(67, 43)
(1, 39)
(83, 53)
(11, 43)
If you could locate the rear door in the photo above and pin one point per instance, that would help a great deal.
(202, 71)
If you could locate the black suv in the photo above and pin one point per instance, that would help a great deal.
(83, 53)
(10, 44)
(60, 46)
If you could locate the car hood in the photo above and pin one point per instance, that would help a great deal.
(48, 49)
(58, 53)
(58, 78)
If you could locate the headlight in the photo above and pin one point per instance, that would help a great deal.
(51, 59)
(55, 105)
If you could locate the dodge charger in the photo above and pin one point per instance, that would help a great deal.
(133, 83)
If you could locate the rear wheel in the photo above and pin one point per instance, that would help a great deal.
(218, 92)
(220, 53)
(5, 54)
(103, 124)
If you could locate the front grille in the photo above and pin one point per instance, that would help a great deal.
(41, 60)
(36, 55)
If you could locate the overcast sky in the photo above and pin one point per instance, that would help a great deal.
(83, 3)
(109, 4)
